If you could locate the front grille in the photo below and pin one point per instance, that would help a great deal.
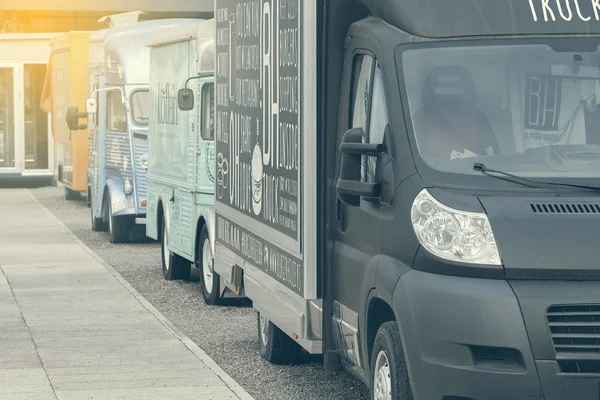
(575, 332)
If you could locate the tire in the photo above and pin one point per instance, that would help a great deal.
(173, 265)
(71, 195)
(118, 227)
(209, 280)
(274, 345)
(389, 374)
(98, 225)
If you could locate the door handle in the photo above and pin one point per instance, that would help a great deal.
(340, 214)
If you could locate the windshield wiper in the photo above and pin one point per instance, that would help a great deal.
(494, 173)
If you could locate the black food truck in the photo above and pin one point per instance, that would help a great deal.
(412, 190)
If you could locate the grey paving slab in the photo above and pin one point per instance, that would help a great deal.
(73, 329)
(181, 393)
(46, 395)
(26, 380)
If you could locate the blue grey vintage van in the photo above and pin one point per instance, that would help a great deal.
(118, 120)
(181, 172)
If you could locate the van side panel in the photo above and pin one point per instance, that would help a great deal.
(70, 84)
(171, 172)
(79, 56)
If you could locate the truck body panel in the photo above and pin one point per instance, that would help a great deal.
(181, 162)
(67, 78)
(515, 318)
(119, 59)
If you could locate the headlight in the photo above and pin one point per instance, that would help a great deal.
(127, 186)
(452, 234)
(144, 161)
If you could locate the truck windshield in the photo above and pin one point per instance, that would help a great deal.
(139, 107)
(526, 109)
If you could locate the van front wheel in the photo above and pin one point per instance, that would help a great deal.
(173, 265)
(389, 375)
(276, 346)
(118, 227)
(98, 224)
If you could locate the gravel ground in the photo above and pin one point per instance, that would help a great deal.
(227, 334)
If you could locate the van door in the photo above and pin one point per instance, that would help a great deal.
(205, 145)
(357, 229)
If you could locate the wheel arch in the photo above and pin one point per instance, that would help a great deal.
(160, 214)
(379, 302)
(207, 218)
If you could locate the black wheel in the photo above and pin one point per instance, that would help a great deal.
(71, 195)
(389, 375)
(274, 345)
(98, 224)
(118, 227)
(173, 265)
(209, 280)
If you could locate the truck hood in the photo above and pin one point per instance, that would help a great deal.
(546, 238)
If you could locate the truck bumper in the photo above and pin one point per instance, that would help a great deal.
(138, 217)
(480, 339)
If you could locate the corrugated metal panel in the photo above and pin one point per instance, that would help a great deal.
(187, 220)
(140, 147)
(118, 154)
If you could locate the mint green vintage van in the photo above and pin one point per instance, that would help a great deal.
(181, 158)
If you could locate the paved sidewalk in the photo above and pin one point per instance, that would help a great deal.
(71, 328)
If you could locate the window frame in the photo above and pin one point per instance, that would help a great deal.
(203, 113)
(358, 62)
(132, 108)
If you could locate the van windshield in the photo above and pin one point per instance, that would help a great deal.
(525, 109)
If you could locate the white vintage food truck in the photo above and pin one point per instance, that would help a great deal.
(181, 170)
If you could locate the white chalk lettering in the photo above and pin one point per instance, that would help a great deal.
(547, 9)
(553, 10)
(560, 10)
(585, 19)
(596, 6)
(533, 10)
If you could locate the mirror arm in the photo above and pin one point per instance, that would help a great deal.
(200, 76)
(367, 149)
(360, 189)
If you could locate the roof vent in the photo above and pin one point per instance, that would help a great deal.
(121, 19)
(565, 208)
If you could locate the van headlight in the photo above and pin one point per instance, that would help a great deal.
(127, 186)
(452, 234)
(144, 161)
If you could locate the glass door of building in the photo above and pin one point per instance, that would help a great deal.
(9, 119)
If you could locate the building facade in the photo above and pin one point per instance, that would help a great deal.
(27, 16)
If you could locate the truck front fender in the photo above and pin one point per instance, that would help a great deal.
(210, 220)
(117, 197)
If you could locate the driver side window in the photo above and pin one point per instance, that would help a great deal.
(368, 108)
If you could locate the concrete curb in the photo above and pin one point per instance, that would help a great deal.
(193, 347)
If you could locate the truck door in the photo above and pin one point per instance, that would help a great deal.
(205, 148)
(357, 229)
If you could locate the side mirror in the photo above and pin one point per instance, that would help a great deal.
(350, 187)
(91, 106)
(185, 99)
(72, 119)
